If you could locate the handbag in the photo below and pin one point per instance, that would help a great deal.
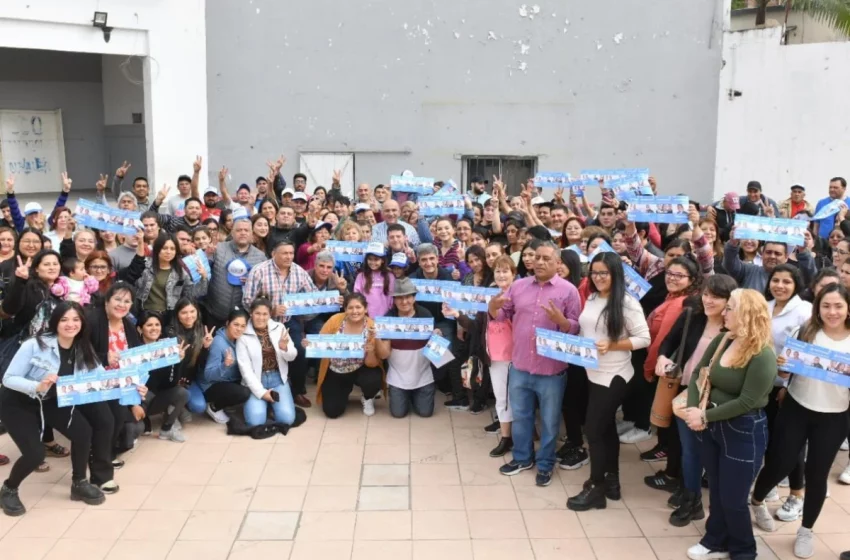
(680, 403)
(661, 414)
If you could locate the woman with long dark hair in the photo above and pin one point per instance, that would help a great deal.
(814, 412)
(164, 282)
(481, 275)
(197, 339)
(525, 267)
(614, 319)
(221, 380)
(29, 401)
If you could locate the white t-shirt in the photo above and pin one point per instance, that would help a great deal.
(409, 369)
(818, 395)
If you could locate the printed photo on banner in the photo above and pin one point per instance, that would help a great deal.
(578, 186)
(449, 188)
(609, 174)
(440, 205)
(417, 185)
(155, 355)
(310, 303)
(629, 187)
(469, 298)
(635, 283)
(551, 179)
(566, 348)
(347, 251)
(659, 209)
(105, 218)
(404, 328)
(190, 263)
(98, 386)
(432, 290)
(437, 351)
(336, 346)
(603, 247)
(781, 230)
(830, 209)
(581, 256)
(816, 362)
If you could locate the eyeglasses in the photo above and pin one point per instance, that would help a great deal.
(676, 275)
(30, 242)
(98, 267)
(600, 274)
(842, 252)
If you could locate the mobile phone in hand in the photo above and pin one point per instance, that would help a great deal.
(275, 396)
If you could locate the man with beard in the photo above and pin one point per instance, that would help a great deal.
(749, 275)
(477, 184)
(187, 187)
(190, 220)
(288, 229)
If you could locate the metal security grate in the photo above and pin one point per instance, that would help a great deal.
(514, 170)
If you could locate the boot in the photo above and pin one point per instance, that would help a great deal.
(689, 510)
(505, 445)
(612, 486)
(592, 496)
(675, 500)
(83, 491)
(10, 502)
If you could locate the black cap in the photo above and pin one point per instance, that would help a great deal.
(261, 178)
(801, 187)
(184, 178)
(479, 179)
(243, 186)
(754, 185)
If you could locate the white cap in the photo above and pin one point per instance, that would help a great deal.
(32, 208)
(538, 200)
(211, 189)
(376, 248)
(287, 191)
(299, 196)
(362, 207)
(240, 214)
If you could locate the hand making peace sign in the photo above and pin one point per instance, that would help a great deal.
(208, 337)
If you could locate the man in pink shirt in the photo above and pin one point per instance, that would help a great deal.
(545, 301)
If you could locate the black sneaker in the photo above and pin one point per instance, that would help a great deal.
(657, 453)
(591, 497)
(495, 428)
(675, 500)
(514, 467)
(573, 458)
(505, 445)
(477, 407)
(11, 502)
(660, 481)
(83, 491)
(458, 404)
(612, 486)
(543, 478)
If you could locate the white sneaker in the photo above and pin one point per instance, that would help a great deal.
(844, 477)
(218, 416)
(174, 434)
(791, 510)
(784, 483)
(368, 406)
(845, 446)
(636, 435)
(762, 516)
(624, 426)
(804, 546)
(110, 487)
(185, 416)
(699, 552)
(772, 496)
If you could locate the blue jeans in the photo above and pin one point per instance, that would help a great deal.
(732, 452)
(691, 463)
(524, 390)
(298, 367)
(256, 410)
(197, 403)
(421, 400)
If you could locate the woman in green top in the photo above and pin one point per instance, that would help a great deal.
(742, 367)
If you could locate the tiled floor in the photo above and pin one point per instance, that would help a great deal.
(357, 488)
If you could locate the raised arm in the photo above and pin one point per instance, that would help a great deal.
(196, 176)
(17, 218)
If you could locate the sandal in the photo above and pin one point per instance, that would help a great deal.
(43, 467)
(56, 450)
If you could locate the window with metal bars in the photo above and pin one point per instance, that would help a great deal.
(515, 170)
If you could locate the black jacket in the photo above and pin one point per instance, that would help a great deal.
(725, 221)
(670, 345)
(99, 333)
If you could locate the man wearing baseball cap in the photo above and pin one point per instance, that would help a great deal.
(796, 203)
(299, 204)
(755, 195)
(477, 184)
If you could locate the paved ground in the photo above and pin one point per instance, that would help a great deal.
(358, 488)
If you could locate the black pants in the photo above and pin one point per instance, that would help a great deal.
(795, 425)
(674, 449)
(797, 479)
(159, 402)
(601, 426)
(338, 386)
(89, 428)
(226, 394)
(451, 371)
(637, 403)
(574, 408)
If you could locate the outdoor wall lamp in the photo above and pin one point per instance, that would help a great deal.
(100, 21)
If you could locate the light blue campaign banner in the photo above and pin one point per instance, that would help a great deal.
(578, 186)
(159, 354)
(635, 283)
(432, 290)
(347, 251)
(436, 350)
(603, 247)
(469, 298)
(629, 187)
(552, 179)
(98, 386)
(449, 188)
(440, 205)
(781, 230)
(417, 185)
(830, 209)
(105, 218)
(566, 348)
(404, 328)
(816, 362)
(608, 174)
(191, 265)
(311, 303)
(659, 209)
(581, 256)
(336, 346)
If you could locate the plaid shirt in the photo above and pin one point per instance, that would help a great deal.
(266, 278)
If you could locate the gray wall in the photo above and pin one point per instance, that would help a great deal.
(348, 77)
(48, 80)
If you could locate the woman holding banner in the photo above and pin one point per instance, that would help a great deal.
(813, 411)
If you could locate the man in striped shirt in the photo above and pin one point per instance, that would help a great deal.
(391, 213)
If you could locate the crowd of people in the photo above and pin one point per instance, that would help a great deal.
(696, 361)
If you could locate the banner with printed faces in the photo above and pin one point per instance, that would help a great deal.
(437, 351)
(98, 386)
(347, 251)
(566, 348)
(469, 298)
(441, 205)
(416, 185)
(659, 209)
(191, 265)
(159, 354)
(781, 230)
(816, 362)
(311, 303)
(336, 346)
(404, 328)
(105, 218)
(551, 179)
(432, 290)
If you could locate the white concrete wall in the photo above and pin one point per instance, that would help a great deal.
(791, 123)
(121, 97)
(171, 33)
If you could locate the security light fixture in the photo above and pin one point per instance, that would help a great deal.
(100, 21)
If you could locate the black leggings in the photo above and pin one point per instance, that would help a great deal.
(601, 428)
(574, 408)
(797, 479)
(796, 424)
(176, 396)
(88, 427)
(637, 403)
(226, 394)
(338, 386)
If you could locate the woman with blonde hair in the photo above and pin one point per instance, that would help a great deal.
(741, 368)
(349, 230)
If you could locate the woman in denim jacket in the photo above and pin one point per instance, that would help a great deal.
(29, 401)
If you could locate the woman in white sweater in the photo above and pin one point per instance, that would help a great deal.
(262, 353)
(616, 322)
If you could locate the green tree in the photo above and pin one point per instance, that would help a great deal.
(834, 13)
